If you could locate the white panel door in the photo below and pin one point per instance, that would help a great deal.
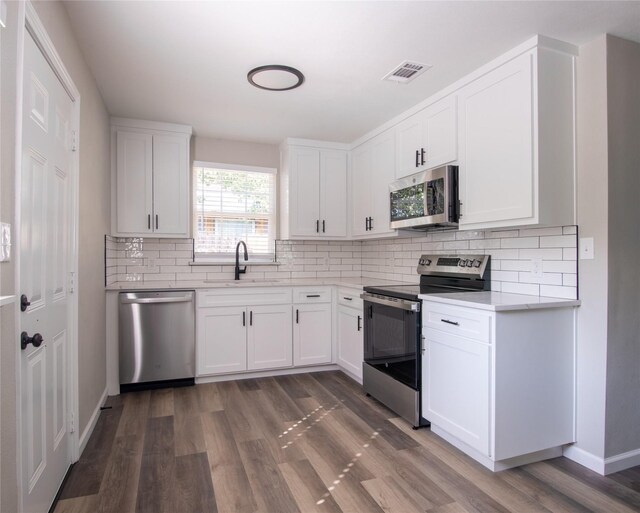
(496, 145)
(456, 387)
(305, 192)
(312, 334)
(171, 185)
(383, 174)
(350, 340)
(269, 341)
(440, 129)
(409, 137)
(221, 340)
(45, 228)
(361, 183)
(333, 193)
(134, 182)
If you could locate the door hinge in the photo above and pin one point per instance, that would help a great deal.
(74, 140)
(72, 423)
(72, 282)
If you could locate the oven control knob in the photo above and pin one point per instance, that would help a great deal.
(427, 262)
(476, 263)
(470, 263)
(462, 263)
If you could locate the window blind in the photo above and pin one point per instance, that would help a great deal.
(231, 205)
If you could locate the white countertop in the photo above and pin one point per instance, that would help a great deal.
(499, 301)
(355, 283)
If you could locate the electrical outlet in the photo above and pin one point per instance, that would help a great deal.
(536, 267)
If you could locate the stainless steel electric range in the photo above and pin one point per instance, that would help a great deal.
(393, 350)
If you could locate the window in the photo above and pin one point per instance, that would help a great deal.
(234, 203)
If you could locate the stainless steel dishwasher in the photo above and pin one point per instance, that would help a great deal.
(157, 339)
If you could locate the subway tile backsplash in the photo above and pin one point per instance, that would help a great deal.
(512, 255)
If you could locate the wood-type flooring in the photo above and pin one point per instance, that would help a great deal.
(305, 443)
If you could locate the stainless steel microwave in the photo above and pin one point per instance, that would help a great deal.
(425, 200)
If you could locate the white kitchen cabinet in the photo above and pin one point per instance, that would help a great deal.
(313, 199)
(150, 179)
(457, 379)
(516, 159)
(500, 386)
(350, 340)
(222, 340)
(269, 337)
(311, 334)
(373, 171)
(428, 138)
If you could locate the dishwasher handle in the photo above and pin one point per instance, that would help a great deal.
(155, 300)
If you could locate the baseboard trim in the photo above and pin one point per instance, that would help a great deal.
(86, 434)
(621, 461)
(584, 458)
(266, 373)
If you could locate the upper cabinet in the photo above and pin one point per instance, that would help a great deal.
(516, 159)
(373, 171)
(150, 179)
(427, 139)
(313, 193)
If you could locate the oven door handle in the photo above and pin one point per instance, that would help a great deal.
(403, 304)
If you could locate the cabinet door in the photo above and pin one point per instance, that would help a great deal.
(409, 137)
(269, 337)
(333, 193)
(305, 192)
(383, 175)
(456, 387)
(171, 185)
(221, 340)
(496, 146)
(350, 340)
(440, 130)
(361, 184)
(134, 182)
(312, 334)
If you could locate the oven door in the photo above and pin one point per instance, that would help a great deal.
(391, 337)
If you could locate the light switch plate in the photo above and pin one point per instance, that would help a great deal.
(586, 248)
(5, 242)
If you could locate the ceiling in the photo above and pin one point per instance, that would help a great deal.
(186, 62)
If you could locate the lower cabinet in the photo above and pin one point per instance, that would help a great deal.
(350, 340)
(269, 337)
(500, 386)
(222, 340)
(236, 339)
(456, 375)
(312, 334)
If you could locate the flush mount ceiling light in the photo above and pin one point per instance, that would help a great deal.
(275, 77)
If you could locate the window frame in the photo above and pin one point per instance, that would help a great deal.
(222, 258)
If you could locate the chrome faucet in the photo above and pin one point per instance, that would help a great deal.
(246, 257)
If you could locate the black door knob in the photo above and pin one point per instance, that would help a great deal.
(24, 303)
(25, 340)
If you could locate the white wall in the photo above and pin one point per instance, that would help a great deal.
(236, 152)
(623, 348)
(592, 222)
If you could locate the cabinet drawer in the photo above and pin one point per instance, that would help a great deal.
(312, 295)
(243, 296)
(464, 322)
(350, 298)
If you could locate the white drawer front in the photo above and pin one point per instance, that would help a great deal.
(243, 297)
(312, 295)
(350, 298)
(464, 322)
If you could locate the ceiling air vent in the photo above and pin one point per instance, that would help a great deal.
(406, 72)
